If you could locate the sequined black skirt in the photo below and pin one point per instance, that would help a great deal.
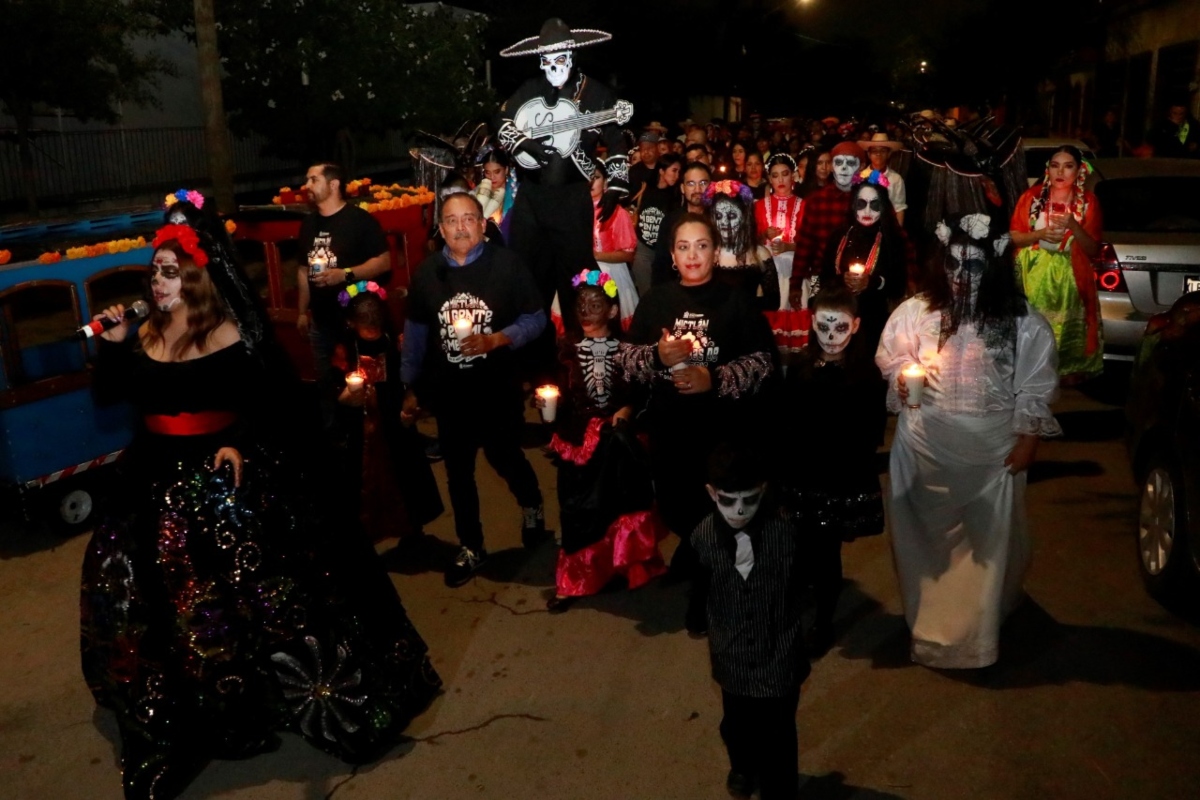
(212, 617)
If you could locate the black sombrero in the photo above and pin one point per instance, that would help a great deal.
(555, 36)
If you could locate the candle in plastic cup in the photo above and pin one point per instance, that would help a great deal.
(549, 397)
(463, 327)
(316, 266)
(354, 381)
(914, 379)
(857, 270)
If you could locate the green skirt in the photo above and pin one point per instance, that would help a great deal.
(1049, 283)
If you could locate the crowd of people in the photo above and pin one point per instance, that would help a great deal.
(224, 601)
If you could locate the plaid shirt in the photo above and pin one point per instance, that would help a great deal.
(824, 212)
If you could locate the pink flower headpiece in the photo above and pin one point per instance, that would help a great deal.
(730, 188)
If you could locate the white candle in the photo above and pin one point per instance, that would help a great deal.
(463, 326)
(914, 379)
(316, 266)
(549, 396)
(354, 381)
(857, 270)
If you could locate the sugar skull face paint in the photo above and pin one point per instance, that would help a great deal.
(728, 217)
(868, 207)
(833, 329)
(165, 283)
(737, 508)
(844, 168)
(557, 67)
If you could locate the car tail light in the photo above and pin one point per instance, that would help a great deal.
(1108, 270)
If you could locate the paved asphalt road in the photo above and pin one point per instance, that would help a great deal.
(1095, 697)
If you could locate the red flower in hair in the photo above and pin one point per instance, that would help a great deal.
(187, 238)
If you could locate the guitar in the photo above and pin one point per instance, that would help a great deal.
(559, 126)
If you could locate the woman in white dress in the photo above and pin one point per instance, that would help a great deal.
(963, 443)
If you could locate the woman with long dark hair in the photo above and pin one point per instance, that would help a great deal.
(818, 172)
(869, 256)
(1057, 229)
(216, 609)
(741, 262)
(971, 372)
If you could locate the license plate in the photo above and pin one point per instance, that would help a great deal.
(1191, 283)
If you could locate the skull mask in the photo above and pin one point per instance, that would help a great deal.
(844, 168)
(868, 206)
(834, 328)
(737, 508)
(557, 67)
(728, 217)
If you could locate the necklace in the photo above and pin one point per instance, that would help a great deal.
(783, 216)
(871, 259)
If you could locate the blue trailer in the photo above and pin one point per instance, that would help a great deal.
(55, 442)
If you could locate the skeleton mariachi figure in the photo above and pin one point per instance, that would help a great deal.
(551, 126)
(605, 494)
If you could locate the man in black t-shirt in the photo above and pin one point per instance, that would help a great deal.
(645, 172)
(340, 244)
(472, 305)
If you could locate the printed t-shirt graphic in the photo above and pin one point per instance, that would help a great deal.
(463, 305)
(694, 327)
(650, 221)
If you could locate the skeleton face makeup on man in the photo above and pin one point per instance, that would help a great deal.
(868, 206)
(844, 168)
(737, 508)
(727, 216)
(834, 328)
(557, 67)
(165, 283)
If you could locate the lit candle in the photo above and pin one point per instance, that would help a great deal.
(549, 396)
(914, 379)
(354, 381)
(316, 266)
(463, 326)
(857, 270)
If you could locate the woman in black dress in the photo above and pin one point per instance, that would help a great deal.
(706, 355)
(215, 610)
(870, 256)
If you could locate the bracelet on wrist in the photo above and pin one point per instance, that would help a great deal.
(349, 275)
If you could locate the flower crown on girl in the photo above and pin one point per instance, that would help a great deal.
(355, 289)
(732, 188)
(594, 277)
(187, 238)
(873, 177)
(182, 195)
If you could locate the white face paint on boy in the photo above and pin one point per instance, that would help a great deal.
(834, 329)
(165, 283)
(737, 508)
(844, 168)
(557, 67)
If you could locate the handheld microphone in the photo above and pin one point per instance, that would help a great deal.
(137, 310)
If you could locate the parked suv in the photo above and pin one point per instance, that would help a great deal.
(1151, 251)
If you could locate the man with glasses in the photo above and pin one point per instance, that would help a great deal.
(470, 307)
(695, 179)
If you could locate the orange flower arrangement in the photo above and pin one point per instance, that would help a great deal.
(105, 248)
(230, 226)
(53, 257)
(5, 257)
(390, 198)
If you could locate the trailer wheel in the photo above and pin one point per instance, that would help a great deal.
(76, 509)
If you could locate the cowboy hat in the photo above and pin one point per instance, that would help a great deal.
(555, 37)
(657, 127)
(881, 139)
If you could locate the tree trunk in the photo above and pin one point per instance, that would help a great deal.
(216, 133)
(28, 173)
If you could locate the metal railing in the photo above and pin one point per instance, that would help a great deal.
(90, 165)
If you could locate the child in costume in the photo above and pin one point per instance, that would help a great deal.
(396, 488)
(749, 584)
(605, 494)
(837, 414)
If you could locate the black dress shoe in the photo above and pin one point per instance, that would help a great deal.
(559, 605)
(739, 785)
(819, 640)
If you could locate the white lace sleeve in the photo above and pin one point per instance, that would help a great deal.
(899, 346)
(1035, 379)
